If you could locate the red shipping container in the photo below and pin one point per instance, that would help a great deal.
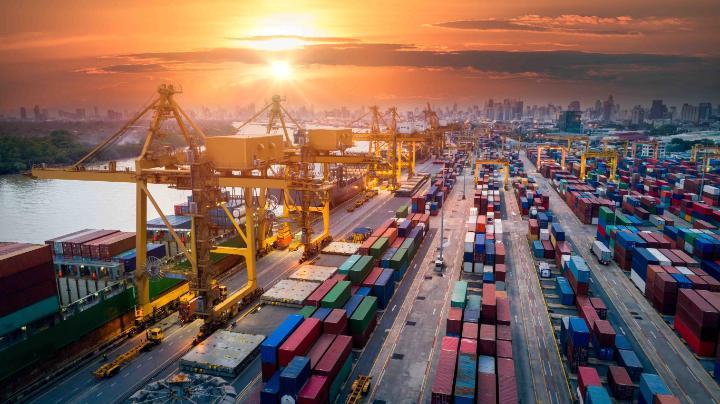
(503, 310)
(470, 330)
(370, 279)
(504, 349)
(336, 322)
(587, 377)
(398, 242)
(365, 246)
(599, 306)
(489, 304)
(486, 388)
(316, 296)
(500, 272)
(621, 386)
(665, 399)
(19, 257)
(390, 234)
(507, 384)
(697, 345)
(604, 333)
(442, 387)
(468, 346)
(335, 356)
(454, 321)
(499, 253)
(486, 341)
(300, 341)
(504, 332)
(319, 348)
(315, 391)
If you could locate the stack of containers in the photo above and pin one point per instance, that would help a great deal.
(697, 320)
(578, 274)
(574, 339)
(444, 380)
(28, 290)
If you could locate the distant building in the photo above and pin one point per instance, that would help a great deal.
(637, 116)
(704, 112)
(23, 113)
(574, 106)
(37, 114)
(608, 109)
(569, 121)
(658, 110)
(689, 113)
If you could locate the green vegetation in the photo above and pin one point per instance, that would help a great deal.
(678, 145)
(18, 153)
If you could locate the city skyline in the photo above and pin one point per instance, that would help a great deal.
(330, 54)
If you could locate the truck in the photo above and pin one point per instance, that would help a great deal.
(153, 336)
(601, 252)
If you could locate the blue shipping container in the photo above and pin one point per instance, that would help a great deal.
(465, 380)
(271, 390)
(269, 347)
(294, 376)
(321, 313)
(353, 304)
(597, 395)
(384, 288)
(651, 385)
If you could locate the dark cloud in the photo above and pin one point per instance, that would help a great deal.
(126, 68)
(315, 39)
(561, 65)
(573, 24)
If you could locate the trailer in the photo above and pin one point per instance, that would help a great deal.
(601, 252)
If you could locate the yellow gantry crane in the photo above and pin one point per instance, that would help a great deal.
(699, 148)
(544, 147)
(609, 155)
(499, 162)
(205, 166)
(570, 139)
(635, 143)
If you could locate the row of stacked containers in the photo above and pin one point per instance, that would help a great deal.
(677, 268)
(475, 362)
(592, 333)
(310, 355)
(483, 249)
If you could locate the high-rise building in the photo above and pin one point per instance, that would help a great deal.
(704, 112)
(658, 110)
(637, 115)
(569, 121)
(689, 113)
(574, 106)
(37, 114)
(608, 109)
(23, 113)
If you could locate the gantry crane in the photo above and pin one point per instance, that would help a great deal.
(633, 147)
(609, 155)
(499, 162)
(570, 140)
(699, 148)
(544, 147)
(205, 166)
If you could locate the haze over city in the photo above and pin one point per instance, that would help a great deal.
(225, 54)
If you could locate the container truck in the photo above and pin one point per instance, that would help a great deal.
(603, 254)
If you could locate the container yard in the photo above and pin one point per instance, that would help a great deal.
(490, 270)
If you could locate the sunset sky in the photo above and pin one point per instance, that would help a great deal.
(329, 53)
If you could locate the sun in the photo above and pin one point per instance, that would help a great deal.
(281, 70)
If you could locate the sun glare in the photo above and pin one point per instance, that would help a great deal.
(281, 70)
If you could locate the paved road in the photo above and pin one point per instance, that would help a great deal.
(541, 376)
(402, 370)
(81, 387)
(672, 360)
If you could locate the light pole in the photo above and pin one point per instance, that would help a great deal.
(463, 197)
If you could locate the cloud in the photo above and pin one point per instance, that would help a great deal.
(573, 24)
(34, 40)
(126, 68)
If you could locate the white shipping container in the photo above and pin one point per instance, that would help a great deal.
(685, 271)
(659, 256)
(491, 215)
(544, 234)
(498, 227)
(490, 229)
(478, 267)
(469, 241)
(473, 211)
(488, 268)
(637, 280)
(709, 189)
(467, 267)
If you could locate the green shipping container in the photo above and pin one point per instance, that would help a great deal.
(361, 269)
(410, 244)
(344, 268)
(28, 314)
(363, 315)
(459, 294)
(337, 296)
(402, 211)
(307, 311)
(400, 258)
(606, 215)
(379, 247)
(340, 379)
